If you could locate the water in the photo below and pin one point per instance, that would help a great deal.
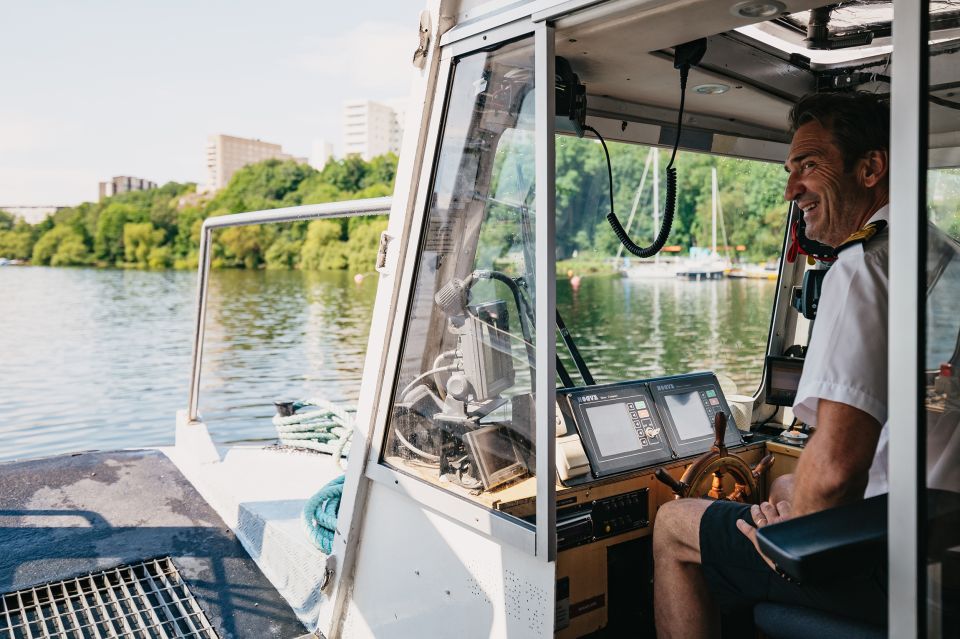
(100, 359)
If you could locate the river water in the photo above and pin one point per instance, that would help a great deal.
(100, 359)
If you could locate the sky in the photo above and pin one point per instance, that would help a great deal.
(97, 88)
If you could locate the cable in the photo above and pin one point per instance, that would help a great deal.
(944, 103)
(403, 440)
(574, 352)
(432, 371)
(671, 203)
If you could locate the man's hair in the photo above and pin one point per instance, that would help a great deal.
(859, 122)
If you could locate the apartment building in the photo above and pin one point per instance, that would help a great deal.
(227, 154)
(371, 128)
(124, 184)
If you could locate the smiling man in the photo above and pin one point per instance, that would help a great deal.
(706, 556)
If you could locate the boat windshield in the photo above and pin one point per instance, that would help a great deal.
(462, 414)
(705, 302)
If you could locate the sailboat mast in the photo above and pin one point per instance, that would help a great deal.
(713, 175)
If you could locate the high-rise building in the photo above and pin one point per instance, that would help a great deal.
(227, 154)
(321, 154)
(371, 128)
(124, 184)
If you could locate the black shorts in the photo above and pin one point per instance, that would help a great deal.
(738, 577)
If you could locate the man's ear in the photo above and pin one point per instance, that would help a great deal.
(873, 168)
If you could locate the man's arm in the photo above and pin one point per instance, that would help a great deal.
(835, 465)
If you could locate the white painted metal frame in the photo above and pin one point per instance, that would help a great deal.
(416, 160)
(546, 286)
(289, 214)
(907, 160)
(509, 530)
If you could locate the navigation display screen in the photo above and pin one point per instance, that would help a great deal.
(689, 415)
(613, 429)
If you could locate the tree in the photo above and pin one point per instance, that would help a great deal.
(16, 245)
(284, 253)
(347, 174)
(139, 240)
(108, 238)
(265, 185)
(244, 245)
(362, 246)
(61, 246)
(381, 170)
(322, 249)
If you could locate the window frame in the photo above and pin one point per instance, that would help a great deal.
(535, 539)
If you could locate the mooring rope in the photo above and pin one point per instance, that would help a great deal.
(320, 514)
(327, 430)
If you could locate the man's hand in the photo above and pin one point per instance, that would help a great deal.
(764, 515)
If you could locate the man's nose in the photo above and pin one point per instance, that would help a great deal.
(794, 188)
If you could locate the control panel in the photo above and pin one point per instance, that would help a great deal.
(630, 425)
(586, 523)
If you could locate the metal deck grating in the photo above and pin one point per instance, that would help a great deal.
(144, 600)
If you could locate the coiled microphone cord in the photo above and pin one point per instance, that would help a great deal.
(671, 204)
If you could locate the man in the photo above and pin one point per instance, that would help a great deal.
(706, 556)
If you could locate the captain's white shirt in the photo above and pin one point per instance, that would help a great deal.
(846, 360)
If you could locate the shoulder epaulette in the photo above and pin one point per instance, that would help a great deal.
(863, 235)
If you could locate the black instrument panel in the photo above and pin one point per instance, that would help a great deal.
(630, 425)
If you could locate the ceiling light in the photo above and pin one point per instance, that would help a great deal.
(711, 89)
(758, 9)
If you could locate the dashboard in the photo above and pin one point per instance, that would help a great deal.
(627, 426)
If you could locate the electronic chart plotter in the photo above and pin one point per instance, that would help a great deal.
(629, 425)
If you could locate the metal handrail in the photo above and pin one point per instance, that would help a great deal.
(349, 208)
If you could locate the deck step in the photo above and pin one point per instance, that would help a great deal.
(260, 493)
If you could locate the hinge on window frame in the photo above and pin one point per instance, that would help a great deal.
(381, 264)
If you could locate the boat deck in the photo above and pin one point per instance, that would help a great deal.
(70, 515)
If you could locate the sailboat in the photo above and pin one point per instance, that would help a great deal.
(657, 268)
(703, 264)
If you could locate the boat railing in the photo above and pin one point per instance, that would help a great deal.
(330, 210)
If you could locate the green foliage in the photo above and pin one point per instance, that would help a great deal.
(381, 171)
(72, 251)
(108, 237)
(751, 200)
(139, 241)
(347, 174)
(266, 185)
(161, 228)
(6, 220)
(61, 246)
(16, 245)
(242, 246)
(323, 249)
(284, 253)
(17, 242)
(160, 257)
(363, 244)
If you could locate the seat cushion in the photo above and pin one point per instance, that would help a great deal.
(779, 621)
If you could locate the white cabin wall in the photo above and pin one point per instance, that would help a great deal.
(410, 173)
(434, 577)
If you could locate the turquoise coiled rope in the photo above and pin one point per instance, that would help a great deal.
(320, 514)
(327, 430)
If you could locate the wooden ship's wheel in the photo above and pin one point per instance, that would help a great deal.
(711, 474)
